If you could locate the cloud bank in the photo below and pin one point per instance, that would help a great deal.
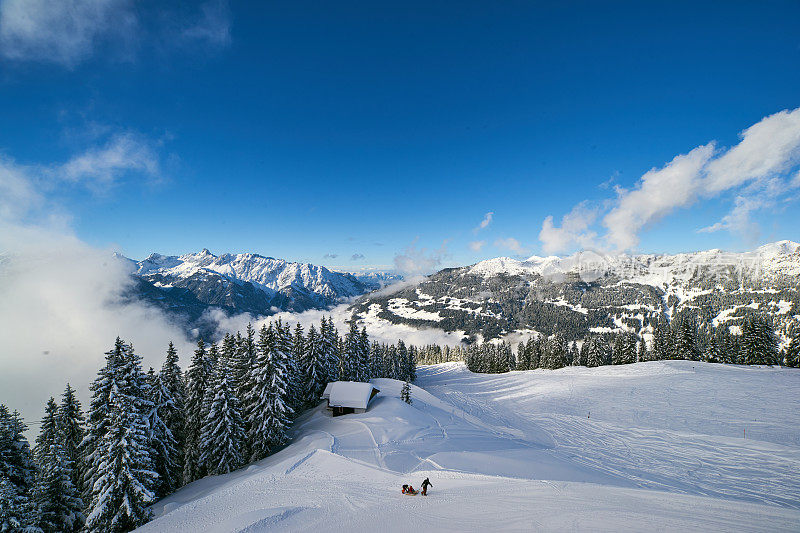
(415, 261)
(758, 169)
(63, 304)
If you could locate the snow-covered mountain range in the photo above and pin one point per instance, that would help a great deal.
(189, 284)
(596, 292)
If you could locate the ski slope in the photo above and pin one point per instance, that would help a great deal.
(667, 446)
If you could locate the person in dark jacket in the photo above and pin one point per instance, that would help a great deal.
(425, 484)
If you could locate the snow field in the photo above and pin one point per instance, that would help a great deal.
(648, 446)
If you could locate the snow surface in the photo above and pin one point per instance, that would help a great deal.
(665, 446)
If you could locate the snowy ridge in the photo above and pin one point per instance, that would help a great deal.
(775, 259)
(517, 452)
(268, 274)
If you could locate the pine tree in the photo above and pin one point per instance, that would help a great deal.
(99, 417)
(298, 374)
(555, 353)
(792, 355)
(686, 341)
(223, 436)
(163, 444)
(71, 421)
(405, 393)
(662, 343)
(523, 361)
(759, 346)
(294, 392)
(364, 356)
(376, 360)
(314, 368)
(57, 499)
(351, 356)
(269, 412)
(125, 478)
(197, 378)
(331, 348)
(596, 352)
(17, 475)
(173, 413)
(642, 353)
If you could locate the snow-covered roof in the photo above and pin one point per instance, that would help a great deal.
(327, 392)
(350, 394)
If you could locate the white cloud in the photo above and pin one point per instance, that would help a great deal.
(487, 219)
(476, 246)
(68, 32)
(767, 148)
(63, 301)
(656, 195)
(18, 195)
(380, 330)
(510, 243)
(756, 169)
(573, 230)
(415, 261)
(65, 31)
(102, 166)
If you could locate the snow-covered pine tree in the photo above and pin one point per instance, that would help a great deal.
(122, 492)
(246, 357)
(642, 354)
(390, 366)
(163, 444)
(376, 360)
(596, 352)
(533, 347)
(662, 342)
(315, 369)
(174, 413)
(631, 341)
(348, 366)
(17, 475)
(758, 344)
(618, 350)
(298, 374)
(330, 347)
(99, 417)
(70, 423)
(574, 354)
(364, 358)
(294, 390)
(404, 364)
(686, 340)
(405, 393)
(60, 508)
(269, 412)
(197, 378)
(523, 361)
(12, 517)
(791, 357)
(223, 437)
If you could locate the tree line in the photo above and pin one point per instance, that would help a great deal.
(683, 338)
(146, 434)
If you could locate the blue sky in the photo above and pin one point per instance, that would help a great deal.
(376, 132)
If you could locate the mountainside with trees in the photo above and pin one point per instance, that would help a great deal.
(590, 293)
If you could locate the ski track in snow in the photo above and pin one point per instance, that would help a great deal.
(648, 446)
